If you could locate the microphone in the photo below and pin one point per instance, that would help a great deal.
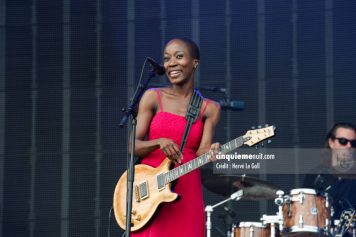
(232, 105)
(159, 69)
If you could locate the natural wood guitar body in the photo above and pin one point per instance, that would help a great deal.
(142, 209)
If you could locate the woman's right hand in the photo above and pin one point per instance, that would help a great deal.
(171, 150)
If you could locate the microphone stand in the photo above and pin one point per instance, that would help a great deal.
(131, 112)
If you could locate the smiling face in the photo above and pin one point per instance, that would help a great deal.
(178, 62)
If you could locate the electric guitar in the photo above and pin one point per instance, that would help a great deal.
(152, 186)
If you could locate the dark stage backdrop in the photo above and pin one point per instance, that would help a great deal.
(67, 67)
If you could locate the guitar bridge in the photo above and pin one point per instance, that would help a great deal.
(137, 194)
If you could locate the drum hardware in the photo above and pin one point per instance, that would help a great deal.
(327, 205)
(327, 225)
(209, 209)
(289, 213)
(280, 201)
(273, 230)
(313, 211)
(269, 219)
(332, 211)
(326, 200)
(301, 197)
(333, 229)
(301, 222)
(272, 220)
(305, 212)
(253, 229)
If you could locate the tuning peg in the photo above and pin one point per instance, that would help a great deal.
(266, 125)
(253, 127)
(259, 126)
(269, 141)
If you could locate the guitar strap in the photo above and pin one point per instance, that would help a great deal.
(192, 115)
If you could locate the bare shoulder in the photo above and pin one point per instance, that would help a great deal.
(150, 93)
(149, 99)
(212, 109)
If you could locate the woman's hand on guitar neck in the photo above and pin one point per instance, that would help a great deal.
(171, 150)
(214, 150)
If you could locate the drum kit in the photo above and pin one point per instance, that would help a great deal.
(301, 212)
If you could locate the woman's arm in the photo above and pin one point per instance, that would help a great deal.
(148, 106)
(146, 111)
(212, 117)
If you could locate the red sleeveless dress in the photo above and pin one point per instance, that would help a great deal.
(185, 217)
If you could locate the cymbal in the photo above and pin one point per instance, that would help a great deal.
(254, 189)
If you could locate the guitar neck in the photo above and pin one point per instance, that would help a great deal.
(198, 162)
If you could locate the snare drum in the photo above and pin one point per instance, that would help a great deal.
(253, 229)
(306, 214)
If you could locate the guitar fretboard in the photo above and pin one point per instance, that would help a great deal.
(183, 169)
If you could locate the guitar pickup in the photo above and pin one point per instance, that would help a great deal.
(161, 181)
(141, 191)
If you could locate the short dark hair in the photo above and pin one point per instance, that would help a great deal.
(193, 47)
(332, 133)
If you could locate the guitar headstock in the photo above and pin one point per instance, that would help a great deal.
(347, 221)
(255, 136)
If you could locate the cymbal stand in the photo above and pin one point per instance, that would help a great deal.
(209, 209)
(280, 201)
(273, 219)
